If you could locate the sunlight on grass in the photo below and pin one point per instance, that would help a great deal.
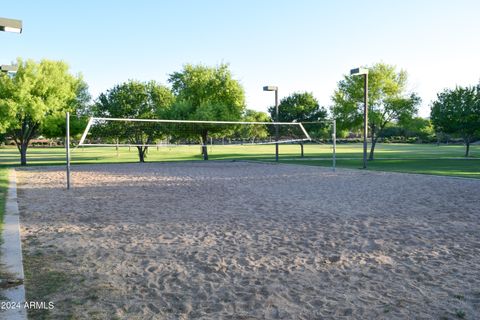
(414, 158)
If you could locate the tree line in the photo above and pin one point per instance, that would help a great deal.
(34, 100)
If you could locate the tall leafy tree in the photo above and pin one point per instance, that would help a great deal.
(38, 93)
(417, 127)
(299, 107)
(254, 131)
(388, 100)
(302, 107)
(134, 100)
(207, 93)
(458, 112)
(55, 126)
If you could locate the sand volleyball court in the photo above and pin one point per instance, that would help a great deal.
(238, 240)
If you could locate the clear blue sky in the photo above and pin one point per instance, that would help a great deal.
(298, 45)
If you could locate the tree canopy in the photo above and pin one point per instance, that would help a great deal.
(458, 112)
(302, 107)
(299, 107)
(388, 100)
(207, 93)
(134, 100)
(255, 131)
(417, 127)
(38, 93)
(55, 126)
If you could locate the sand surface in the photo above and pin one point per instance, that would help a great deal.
(237, 240)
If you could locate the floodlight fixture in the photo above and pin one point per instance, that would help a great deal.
(10, 25)
(358, 71)
(8, 68)
(270, 88)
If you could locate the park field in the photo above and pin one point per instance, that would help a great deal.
(410, 158)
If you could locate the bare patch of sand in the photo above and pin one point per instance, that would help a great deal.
(242, 240)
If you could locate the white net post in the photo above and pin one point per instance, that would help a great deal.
(334, 144)
(67, 147)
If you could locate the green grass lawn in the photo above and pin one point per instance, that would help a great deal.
(3, 196)
(413, 158)
(3, 193)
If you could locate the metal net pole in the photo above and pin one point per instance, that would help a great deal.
(334, 141)
(67, 148)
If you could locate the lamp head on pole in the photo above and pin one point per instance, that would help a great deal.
(270, 88)
(10, 25)
(358, 71)
(8, 68)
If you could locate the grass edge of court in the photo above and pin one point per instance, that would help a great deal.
(299, 161)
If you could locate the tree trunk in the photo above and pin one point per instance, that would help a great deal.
(204, 145)
(372, 149)
(141, 153)
(374, 142)
(23, 153)
(467, 147)
(22, 139)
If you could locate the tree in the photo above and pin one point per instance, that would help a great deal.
(255, 131)
(36, 94)
(387, 98)
(302, 107)
(458, 112)
(55, 126)
(134, 100)
(417, 127)
(299, 107)
(207, 93)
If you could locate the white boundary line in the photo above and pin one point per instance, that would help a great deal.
(12, 254)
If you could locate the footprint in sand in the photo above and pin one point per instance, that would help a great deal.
(152, 269)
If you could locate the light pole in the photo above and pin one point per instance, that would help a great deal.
(274, 88)
(364, 72)
(10, 25)
(8, 69)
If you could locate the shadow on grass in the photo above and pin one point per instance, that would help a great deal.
(44, 284)
(427, 159)
(444, 167)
